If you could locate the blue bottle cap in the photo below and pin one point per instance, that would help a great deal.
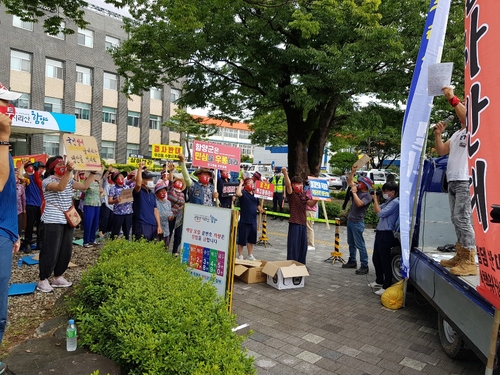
(71, 321)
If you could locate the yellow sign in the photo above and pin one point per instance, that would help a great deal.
(136, 161)
(166, 152)
(83, 152)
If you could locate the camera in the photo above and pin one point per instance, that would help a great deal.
(378, 192)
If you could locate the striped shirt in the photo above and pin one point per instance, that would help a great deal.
(297, 204)
(56, 202)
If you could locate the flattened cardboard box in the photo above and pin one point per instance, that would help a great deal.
(250, 272)
(286, 274)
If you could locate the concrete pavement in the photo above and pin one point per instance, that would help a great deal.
(336, 324)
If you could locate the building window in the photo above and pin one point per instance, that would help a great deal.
(154, 122)
(86, 38)
(20, 61)
(52, 105)
(17, 22)
(244, 134)
(133, 119)
(132, 149)
(84, 75)
(82, 111)
(51, 144)
(110, 81)
(230, 133)
(109, 115)
(155, 93)
(108, 150)
(60, 34)
(53, 69)
(175, 95)
(111, 42)
(22, 102)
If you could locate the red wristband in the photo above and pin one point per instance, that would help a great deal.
(454, 101)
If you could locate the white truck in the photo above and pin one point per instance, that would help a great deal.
(465, 318)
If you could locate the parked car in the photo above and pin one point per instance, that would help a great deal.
(334, 182)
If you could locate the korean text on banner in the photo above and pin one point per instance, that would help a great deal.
(82, 151)
(416, 119)
(214, 156)
(320, 190)
(136, 161)
(32, 158)
(205, 243)
(264, 190)
(483, 109)
(165, 152)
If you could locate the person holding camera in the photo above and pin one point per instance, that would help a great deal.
(361, 199)
(388, 217)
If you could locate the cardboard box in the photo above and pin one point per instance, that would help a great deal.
(287, 274)
(250, 272)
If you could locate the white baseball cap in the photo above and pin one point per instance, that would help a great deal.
(5, 94)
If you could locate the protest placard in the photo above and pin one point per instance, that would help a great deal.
(126, 196)
(165, 152)
(83, 152)
(264, 190)
(214, 156)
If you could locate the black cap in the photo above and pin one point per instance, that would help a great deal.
(146, 175)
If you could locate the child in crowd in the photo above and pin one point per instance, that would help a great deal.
(165, 209)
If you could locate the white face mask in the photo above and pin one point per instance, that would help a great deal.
(386, 196)
(150, 185)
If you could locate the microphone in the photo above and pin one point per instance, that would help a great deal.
(446, 121)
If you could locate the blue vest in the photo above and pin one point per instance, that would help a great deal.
(197, 195)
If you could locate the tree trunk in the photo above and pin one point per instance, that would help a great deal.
(297, 143)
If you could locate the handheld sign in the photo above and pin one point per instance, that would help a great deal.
(439, 77)
(214, 156)
(319, 189)
(362, 161)
(126, 196)
(83, 152)
(137, 161)
(229, 189)
(166, 152)
(264, 190)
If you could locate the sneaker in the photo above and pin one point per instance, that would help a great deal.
(380, 292)
(362, 270)
(94, 244)
(87, 245)
(3, 367)
(310, 248)
(61, 282)
(240, 257)
(251, 257)
(44, 286)
(375, 285)
(350, 265)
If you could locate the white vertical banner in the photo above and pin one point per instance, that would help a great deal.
(206, 236)
(416, 120)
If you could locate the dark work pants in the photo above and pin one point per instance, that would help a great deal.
(121, 222)
(32, 220)
(384, 242)
(177, 236)
(55, 256)
(296, 244)
(105, 219)
(278, 202)
(147, 231)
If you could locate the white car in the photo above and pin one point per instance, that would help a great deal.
(334, 182)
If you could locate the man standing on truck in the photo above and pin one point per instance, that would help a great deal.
(361, 199)
(457, 174)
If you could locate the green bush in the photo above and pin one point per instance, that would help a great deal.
(332, 210)
(141, 308)
(338, 194)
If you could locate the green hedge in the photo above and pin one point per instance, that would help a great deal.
(141, 308)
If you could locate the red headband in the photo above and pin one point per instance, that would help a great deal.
(54, 163)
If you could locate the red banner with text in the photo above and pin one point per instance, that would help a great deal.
(214, 156)
(483, 110)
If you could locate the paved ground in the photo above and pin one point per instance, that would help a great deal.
(336, 324)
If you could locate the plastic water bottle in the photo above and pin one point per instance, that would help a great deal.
(19, 262)
(71, 336)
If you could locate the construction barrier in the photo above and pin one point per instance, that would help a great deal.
(336, 256)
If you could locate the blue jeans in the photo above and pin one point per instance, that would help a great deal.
(355, 241)
(5, 269)
(461, 213)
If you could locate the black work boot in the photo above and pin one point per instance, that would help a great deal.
(350, 264)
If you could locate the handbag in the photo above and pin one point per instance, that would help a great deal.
(71, 215)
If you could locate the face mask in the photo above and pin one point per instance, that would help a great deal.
(224, 175)
(386, 196)
(29, 170)
(8, 110)
(119, 180)
(178, 185)
(161, 194)
(150, 185)
(204, 179)
(60, 171)
(249, 188)
(297, 188)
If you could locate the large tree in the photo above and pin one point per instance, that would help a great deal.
(307, 58)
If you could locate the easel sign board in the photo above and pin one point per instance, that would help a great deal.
(362, 161)
(206, 238)
(320, 190)
(83, 152)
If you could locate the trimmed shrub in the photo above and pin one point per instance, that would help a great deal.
(332, 210)
(140, 307)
